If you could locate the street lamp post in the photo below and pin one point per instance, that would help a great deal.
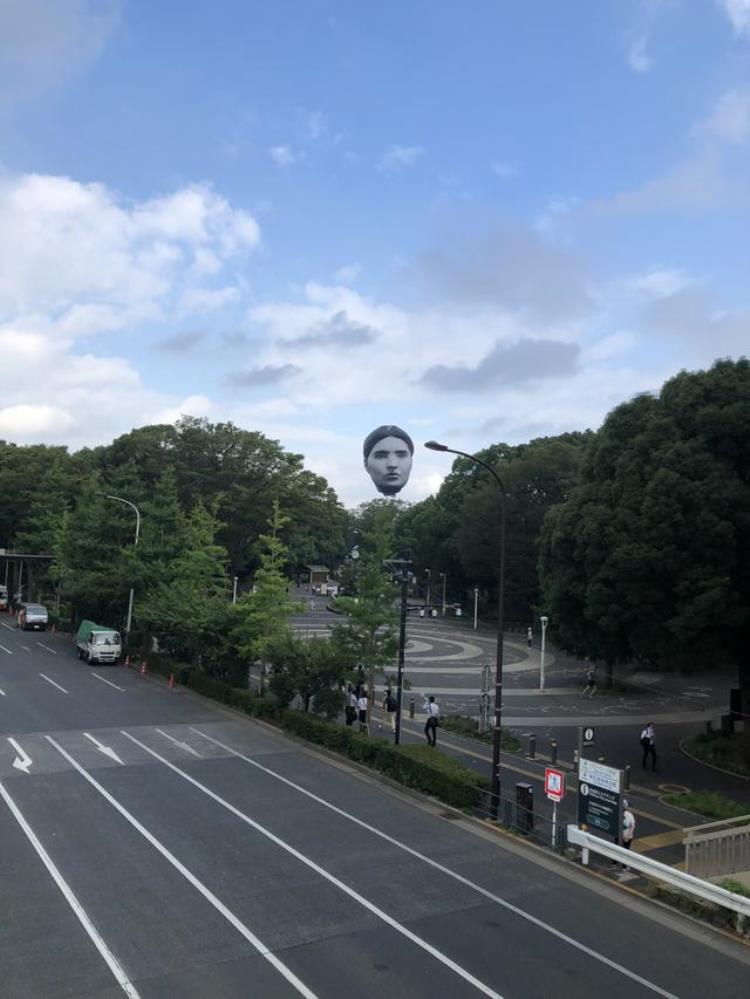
(442, 576)
(545, 621)
(476, 601)
(119, 499)
(497, 730)
(428, 586)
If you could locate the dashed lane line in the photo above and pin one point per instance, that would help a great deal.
(43, 646)
(2, 693)
(104, 680)
(109, 958)
(26, 648)
(6, 650)
(485, 892)
(8, 626)
(331, 878)
(206, 892)
(50, 680)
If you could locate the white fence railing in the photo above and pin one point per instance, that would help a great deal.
(704, 890)
(718, 847)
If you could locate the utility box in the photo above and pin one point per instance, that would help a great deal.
(524, 807)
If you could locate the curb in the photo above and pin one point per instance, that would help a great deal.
(711, 766)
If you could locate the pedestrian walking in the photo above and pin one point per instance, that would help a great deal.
(351, 706)
(590, 689)
(529, 637)
(432, 709)
(648, 745)
(390, 704)
(362, 709)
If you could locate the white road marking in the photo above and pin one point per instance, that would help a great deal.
(97, 677)
(446, 870)
(2, 693)
(8, 626)
(189, 876)
(6, 650)
(112, 963)
(104, 749)
(182, 745)
(45, 677)
(26, 648)
(23, 761)
(374, 909)
(53, 651)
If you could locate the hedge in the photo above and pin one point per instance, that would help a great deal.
(420, 767)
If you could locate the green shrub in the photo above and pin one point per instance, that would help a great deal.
(735, 886)
(709, 803)
(721, 751)
(469, 727)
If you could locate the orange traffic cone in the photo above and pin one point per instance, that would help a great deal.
(144, 668)
(171, 681)
(127, 662)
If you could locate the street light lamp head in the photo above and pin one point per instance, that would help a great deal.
(434, 446)
(545, 620)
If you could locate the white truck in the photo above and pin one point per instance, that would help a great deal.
(96, 644)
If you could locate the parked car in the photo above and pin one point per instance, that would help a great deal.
(32, 617)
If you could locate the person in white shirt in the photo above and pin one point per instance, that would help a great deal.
(432, 709)
(351, 706)
(648, 745)
(628, 825)
(362, 708)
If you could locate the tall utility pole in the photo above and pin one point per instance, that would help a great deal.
(401, 649)
(496, 731)
(119, 499)
(442, 574)
(428, 586)
(476, 602)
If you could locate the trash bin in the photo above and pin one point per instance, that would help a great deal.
(524, 807)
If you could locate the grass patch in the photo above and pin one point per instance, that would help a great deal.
(720, 751)
(708, 803)
(462, 725)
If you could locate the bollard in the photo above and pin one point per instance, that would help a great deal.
(411, 707)
(576, 757)
(553, 751)
(532, 746)
(627, 776)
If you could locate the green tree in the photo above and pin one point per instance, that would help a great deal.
(315, 671)
(263, 615)
(368, 635)
(649, 558)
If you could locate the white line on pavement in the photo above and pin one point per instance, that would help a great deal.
(2, 693)
(389, 920)
(189, 876)
(446, 870)
(182, 745)
(53, 651)
(44, 677)
(112, 963)
(97, 677)
(6, 650)
(26, 648)
(9, 627)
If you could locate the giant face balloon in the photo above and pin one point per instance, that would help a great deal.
(388, 454)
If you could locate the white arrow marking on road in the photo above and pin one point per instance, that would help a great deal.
(45, 677)
(105, 749)
(182, 745)
(6, 650)
(23, 760)
(53, 651)
(97, 677)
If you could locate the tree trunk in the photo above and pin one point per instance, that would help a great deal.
(609, 676)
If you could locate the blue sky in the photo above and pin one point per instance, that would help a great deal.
(484, 221)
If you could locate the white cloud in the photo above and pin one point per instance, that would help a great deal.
(658, 282)
(503, 169)
(194, 300)
(42, 42)
(284, 156)
(397, 158)
(347, 274)
(730, 118)
(738, 12)
(638, 56)
(316, 125)
(27, 422)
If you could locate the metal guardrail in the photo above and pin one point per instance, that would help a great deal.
(704, 890)
(718, 847)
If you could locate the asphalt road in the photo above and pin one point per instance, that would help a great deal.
(157, 845)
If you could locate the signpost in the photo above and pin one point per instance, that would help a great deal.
(554, 788)
(599, 797)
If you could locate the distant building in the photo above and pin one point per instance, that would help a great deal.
(318, 574)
